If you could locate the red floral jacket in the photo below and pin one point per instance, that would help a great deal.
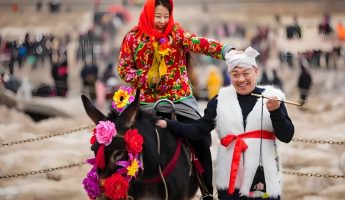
(136, 57)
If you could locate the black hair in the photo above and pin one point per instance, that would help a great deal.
(165, 3)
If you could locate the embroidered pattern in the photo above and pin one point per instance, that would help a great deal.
(136, 58)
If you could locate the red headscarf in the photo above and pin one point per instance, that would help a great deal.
(146, 20)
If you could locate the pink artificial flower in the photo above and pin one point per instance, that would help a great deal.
(105, 131)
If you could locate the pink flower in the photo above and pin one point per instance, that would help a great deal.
(105, 131)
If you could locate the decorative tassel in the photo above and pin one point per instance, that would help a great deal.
(158, 68)
(162, 68)
(100, 162)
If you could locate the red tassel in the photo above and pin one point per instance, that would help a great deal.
(100, 162)
(93, 140)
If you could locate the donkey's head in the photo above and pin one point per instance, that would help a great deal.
(116, 150)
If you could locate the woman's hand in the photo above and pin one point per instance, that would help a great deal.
(161, 123)
(272, 103)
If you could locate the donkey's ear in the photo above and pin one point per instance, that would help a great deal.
(91, 110)
(129, 115)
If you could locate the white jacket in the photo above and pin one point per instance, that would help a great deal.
(230, 120)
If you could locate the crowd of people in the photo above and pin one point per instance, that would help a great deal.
(35, 52)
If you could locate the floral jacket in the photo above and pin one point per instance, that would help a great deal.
(136, 57)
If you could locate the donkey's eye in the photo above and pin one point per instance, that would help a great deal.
(118, 155)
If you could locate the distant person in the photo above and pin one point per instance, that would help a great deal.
(25, 49)
(108, 73)
(101, 93)
(341, 31)
(226, 77)
(60, 74)
(214, 82)
(304, 81)
(264, 78)
(276, 81)
(39, 6)
(24, 93)
(54, 6)
(89, 75)
(294, 31)
(261, 42)
(9, 81)
(325, 27)
(14, 53)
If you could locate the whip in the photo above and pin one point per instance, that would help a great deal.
(285, 101)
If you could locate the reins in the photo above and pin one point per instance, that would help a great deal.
(159, 166)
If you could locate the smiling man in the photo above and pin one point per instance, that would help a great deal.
(247, 161)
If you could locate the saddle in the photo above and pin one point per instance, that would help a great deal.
(167, 109)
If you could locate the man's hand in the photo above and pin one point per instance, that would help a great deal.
(272, 104)
(161, 123)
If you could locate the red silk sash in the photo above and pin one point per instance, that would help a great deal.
(240, 147)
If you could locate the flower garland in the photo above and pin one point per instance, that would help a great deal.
(116, 186)
(122, 98)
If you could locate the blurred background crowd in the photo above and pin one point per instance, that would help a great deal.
(94, 45)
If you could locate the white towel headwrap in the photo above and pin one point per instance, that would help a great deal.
(245, 59)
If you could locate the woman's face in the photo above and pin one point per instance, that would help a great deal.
(244, 79)
(161, 18)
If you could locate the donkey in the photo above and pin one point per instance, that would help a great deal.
(159, 148)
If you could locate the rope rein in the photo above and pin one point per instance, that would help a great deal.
(159, 166)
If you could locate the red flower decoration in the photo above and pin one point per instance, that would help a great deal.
(93, 140)
(116, 187)
(93, 137)
(134, 141)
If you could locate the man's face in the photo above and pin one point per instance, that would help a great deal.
(244, 79)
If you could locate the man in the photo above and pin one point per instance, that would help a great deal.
(247, 162)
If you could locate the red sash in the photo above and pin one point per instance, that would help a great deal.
(241, 146)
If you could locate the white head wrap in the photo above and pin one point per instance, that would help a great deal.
(245, 59)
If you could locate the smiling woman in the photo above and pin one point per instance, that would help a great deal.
(161, 18)
(155, 58)
(154, 55)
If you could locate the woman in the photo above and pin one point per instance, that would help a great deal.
(247, 166)
(154, 57)
(304, 81)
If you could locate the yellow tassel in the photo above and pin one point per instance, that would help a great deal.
(265, 196)
(162, 68)
(153, 74)
(158, 68)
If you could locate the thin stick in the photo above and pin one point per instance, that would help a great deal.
(288, 102)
